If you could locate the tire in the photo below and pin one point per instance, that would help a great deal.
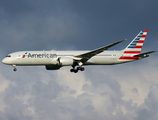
(72, 70)
(75, 71)
(82, 68)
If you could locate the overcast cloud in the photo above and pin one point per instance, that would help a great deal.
(120, 92)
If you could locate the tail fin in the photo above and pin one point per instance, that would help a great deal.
(136, 45)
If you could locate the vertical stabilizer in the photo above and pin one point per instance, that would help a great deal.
(137, 43)
(135, 46)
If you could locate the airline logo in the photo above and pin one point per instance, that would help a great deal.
(29, 55)
(24, 55)
(134, 47)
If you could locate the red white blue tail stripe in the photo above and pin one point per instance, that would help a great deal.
(134, 47)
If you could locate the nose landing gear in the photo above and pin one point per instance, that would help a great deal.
(14, 66)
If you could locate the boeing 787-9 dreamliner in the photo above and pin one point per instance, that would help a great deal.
(54, 60)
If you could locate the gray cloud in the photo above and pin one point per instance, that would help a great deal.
(149, 109)
(68, 24)
(35, 93)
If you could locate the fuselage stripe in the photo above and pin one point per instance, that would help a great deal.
(129, 58)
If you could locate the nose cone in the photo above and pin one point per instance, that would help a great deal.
(6, 61)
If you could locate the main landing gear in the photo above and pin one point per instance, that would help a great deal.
(14, 66)
(79, 64)
(76, 70)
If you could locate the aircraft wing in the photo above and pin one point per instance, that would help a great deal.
(86, 56)
(144, 54)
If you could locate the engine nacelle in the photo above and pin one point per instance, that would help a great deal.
(65, 61)
(53, 67)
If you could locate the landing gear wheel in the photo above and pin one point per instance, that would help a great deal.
(78, 68)
(14, 66)
(82, 68)
(75, 71)
(72, 70)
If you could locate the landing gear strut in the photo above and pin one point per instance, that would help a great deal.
(14, 66)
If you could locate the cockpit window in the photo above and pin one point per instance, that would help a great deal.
(8, 56)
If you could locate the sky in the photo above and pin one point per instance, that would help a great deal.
(119, 92)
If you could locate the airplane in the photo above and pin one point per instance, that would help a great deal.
(54, 60)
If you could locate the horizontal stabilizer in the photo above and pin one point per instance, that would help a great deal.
(143, 54)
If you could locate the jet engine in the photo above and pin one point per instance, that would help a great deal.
(56, 64)
(53, 67)
(65, 61)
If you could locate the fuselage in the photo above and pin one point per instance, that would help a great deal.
(48, 57)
